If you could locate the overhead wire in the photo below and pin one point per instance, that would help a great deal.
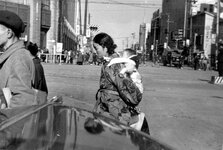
(133, 3)
(140, 5)
(110, 10)
(120, 37)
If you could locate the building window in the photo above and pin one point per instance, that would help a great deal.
(45, 4)
(211, 9)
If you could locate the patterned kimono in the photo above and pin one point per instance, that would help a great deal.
(117, 96)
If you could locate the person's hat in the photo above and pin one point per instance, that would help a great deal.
(12, 21)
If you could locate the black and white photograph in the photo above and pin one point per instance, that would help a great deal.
(111, 74)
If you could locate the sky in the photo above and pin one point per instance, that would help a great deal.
(119, 20)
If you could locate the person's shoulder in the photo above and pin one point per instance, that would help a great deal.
(23, 52)
(22, 55)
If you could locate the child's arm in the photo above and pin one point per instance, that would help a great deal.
(137, 79)
(120, 60)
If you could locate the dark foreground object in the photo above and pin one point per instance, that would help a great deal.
(54, 126)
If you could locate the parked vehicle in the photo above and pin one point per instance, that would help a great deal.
(171, 57)
(59, 127)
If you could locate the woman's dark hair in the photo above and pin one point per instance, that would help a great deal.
(105, 40)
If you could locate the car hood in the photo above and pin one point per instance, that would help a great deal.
(60, 127)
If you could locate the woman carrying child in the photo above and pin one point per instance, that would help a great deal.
(118, 95)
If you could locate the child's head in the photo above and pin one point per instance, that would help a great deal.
(131, 54)
(128, 52)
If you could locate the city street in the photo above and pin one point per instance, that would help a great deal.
(183, 109)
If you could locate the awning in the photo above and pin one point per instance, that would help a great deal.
(70, 28)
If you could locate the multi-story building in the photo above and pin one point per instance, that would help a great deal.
(35, 15)
(62, 25)
(48, 22)
(207, 7)
(173, 25)
(169, 26)
(154, 37)
(202, 30)
(143, 34)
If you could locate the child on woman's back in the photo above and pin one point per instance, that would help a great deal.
(129, 60)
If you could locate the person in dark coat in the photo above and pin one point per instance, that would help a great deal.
(220, 59)
(94, 58)
(40, 82)
(196, 61)
(80, 58)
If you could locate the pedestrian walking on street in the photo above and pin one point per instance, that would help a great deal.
(68, 56)
(196, 61)
(80, 58)
(16, 65)
(65, 56)
(71, 56)
(117, 96)
(220, 59)
(94, 58)
(181, 61)
(204, 62)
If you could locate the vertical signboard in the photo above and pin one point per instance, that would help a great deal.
(59, 48)
(77, 30)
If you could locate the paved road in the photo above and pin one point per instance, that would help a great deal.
(183, 108)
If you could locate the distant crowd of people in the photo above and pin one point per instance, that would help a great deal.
(201, 62)
(71, 57)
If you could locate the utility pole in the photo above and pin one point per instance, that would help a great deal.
(133, 40)
(191, 22)
(191, 36)
(154, 34)
(168, 28)
(89, 18)
(217, 32)
(61, 21)
(191, 26)
(80, 17)
(191, 19)
(85, 17)
(195, 36)
(127, 42)
(154, 40)
(185, 20)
